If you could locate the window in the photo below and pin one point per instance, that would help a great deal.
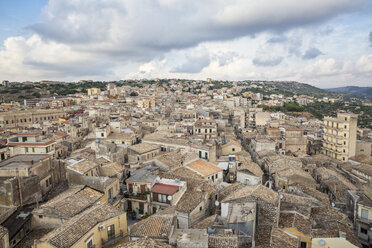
(201, 208)
(162, 198)
(50, 181)
(344, 150)
(216, 176)
(47, 183)
(363, 230)
(344, 134)
(26, 149)
(24, 139)
(345, 126)
(343, 158)
(89, 243)
(344, 142)
(364, 214)
(110, 193)
(33, 149)
(102, 135)
(303, 244)
(200, 154)
(233, 149)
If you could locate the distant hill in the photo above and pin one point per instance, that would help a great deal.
(353, 90)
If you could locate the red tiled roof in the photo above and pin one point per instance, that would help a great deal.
(31, 144)
(61, 134)
(165, 189)
(28, 134)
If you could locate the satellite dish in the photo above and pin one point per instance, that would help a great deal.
(169, 197)
(217, 203)
(333, 204)
(281, 196)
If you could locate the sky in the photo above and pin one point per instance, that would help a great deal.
(325, 43)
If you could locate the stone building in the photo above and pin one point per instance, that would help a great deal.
(339, 138)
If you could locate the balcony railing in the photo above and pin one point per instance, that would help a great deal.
(138, 196)
(364, 220)
(113, 240)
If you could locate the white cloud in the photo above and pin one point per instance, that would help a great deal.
(112, 39)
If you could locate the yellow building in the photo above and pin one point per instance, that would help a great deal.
(94, 91)
(298, 226)
(331, 243)
(24, 118)
(339, 138)
(99, 226)
(146, 103)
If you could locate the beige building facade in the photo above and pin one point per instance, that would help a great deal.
(339, 138)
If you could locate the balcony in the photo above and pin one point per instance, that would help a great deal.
(138, 196)
(364, 220)
(113, 240)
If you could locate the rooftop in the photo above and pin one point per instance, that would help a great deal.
(156, 226)
(256, 192)
(69, 203)
(144, 174)
(190, 200)
(143, 148)
(204, 168)
(22, 161)
(165, 189)
(145, 243)
(82, 166)
(74, 229)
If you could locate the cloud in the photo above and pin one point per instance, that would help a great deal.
(370, 39)
(195, 62)
(143, 29)
(267, 61)
(225, 58)
(114, 38)
(277, 39)
(312, 53)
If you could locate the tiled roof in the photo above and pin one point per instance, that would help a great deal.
(204, 168)
(257, 192)
(295, 220)
(282, 239)
(74, 229)
(69, 203)
(31, 144)
(327, 223)
(165, 189)
(205, 223)
(190, 200)
(144, 243)
(156, 226)
(143, 148)
(83, 166)
(61, 134)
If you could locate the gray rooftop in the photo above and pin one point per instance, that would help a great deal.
(22, 161)
(145, 174)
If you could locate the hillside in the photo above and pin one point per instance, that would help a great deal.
(354, 90)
